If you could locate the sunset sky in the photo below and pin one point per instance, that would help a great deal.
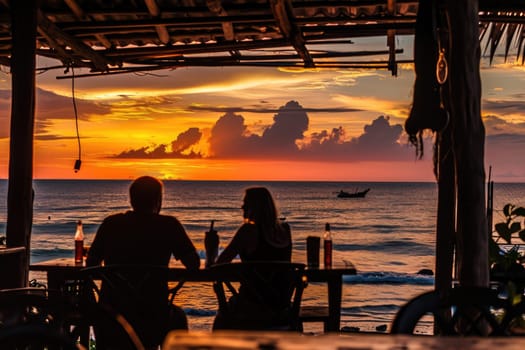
(253, 124)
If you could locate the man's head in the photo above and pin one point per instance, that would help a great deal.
(145, 194)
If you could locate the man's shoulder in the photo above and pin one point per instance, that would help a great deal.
(115, 217)
(168, 220)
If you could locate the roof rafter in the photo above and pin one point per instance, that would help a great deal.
(391, 39)
(154, 10)
(52, 31)
(79, 13)
(283, 15)
(216, 8)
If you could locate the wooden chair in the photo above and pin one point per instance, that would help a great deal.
(32, 318)
(315, 314)
(35, 336)
(461, 311)
(259, 295)
(133, 303)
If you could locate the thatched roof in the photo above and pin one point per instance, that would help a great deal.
(122, 36)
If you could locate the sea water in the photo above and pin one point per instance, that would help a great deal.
(389, 235)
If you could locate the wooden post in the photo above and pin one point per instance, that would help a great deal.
(468, 141)
(446, 216)
(20, 193)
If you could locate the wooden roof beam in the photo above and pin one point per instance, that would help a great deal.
(155, 59)
(216, 8)
(52, 31)
(65, 57)
(330, 65)
(80, 14)
(162, 31)
(391, 39)
(282, 11)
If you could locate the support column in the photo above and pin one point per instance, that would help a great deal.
(20, 192)
(468, 142)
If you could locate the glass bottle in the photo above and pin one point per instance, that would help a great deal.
(211, 245)
(327, 238)
(79, 242)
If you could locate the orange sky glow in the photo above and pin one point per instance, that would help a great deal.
(253, 124)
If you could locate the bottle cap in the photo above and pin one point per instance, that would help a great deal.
(327, 227)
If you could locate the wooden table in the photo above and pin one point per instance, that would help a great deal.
(11, 250)
(63, 269)
(241, 340)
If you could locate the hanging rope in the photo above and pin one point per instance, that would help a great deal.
(78, 162)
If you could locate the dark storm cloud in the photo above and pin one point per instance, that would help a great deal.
(379, 141)
(230, 138)
(53, 137)
(181, 148)
(185, 140)
(52, 106)
(49, 106)
(289, 125)
(501, 106)
(497, 125)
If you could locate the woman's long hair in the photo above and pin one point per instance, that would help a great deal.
(260, 208)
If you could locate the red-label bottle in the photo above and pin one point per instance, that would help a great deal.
(327, 238)
(79, 243)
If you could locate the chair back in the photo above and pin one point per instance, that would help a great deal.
(26, 305)
(462, 311)
(259, 295)
(32, 318)
(136, 293)
(35, 336)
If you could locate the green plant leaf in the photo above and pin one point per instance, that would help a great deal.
(522, 235)
(503, 231)
(515, 227)
(494, 252)
(507, 209)
(520, 211)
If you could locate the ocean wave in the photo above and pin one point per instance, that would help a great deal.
(384, 228)
(392, 246)
(69, 208)
(199, 312)
(51, 253)
(369, 309)
(389, 278)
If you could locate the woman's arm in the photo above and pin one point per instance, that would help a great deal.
(241, 241)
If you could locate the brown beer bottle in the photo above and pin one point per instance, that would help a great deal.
(79, 243)
(327, 238)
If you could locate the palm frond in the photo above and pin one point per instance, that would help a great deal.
(509, 30)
